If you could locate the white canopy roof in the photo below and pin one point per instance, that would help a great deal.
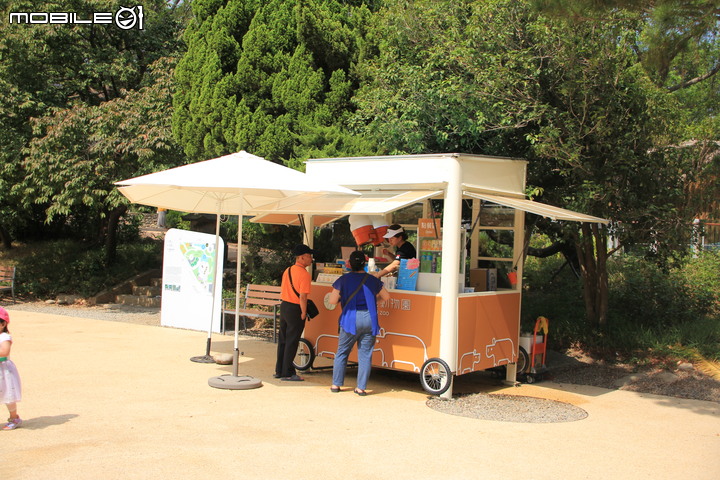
(333, 207)
(329, 208)
(499, 180)
(554, 213)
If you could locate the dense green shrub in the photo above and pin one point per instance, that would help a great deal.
(701, 277)
(651, 311)
(65, 266)
(173, 219)
(550, 289)
(643, 294)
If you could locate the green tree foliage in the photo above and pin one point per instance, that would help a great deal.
(674, 32)
(77, 154)
(273, 78)
(81, 106)
(679, 48)
(498, 78)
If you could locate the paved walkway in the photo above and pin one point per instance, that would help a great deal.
(110, 400)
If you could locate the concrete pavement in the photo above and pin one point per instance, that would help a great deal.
(123, 401)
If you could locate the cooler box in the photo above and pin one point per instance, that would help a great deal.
(381, 228)
(362, 229)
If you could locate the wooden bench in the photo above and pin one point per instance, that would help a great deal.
(261, 301)
(7, 280)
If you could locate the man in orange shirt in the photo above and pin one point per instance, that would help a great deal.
(294, 289)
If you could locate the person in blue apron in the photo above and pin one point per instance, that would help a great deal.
(356, 292)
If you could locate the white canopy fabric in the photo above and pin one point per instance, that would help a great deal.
(227, 185)
(554, 213)
(290, 219)
(337, 206)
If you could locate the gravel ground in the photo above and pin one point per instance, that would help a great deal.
(508, 408)
(112, 312)
(686, 381)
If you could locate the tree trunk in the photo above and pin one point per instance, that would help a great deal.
(111, 237)
(592, 255)
(5, 238)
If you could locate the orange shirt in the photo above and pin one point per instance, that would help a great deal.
(301, 279)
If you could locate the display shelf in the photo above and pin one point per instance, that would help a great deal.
(430, 255)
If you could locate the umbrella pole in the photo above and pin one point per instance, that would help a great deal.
(207, 358)
(236, 354)
(235, 382)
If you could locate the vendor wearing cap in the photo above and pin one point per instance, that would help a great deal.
(397, 237)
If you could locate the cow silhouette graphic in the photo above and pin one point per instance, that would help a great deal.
(383, 351)
(468, 361)
(498, 350)
(326, 345)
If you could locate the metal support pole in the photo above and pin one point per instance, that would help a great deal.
(449, 284)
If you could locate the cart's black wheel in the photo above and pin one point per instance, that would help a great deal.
(523, 362)
(305, 355)
(530, 379)
(435, 376)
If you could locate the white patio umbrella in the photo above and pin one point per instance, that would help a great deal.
(235, 184)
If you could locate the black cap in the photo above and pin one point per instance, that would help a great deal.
(357, 260)
(302, 250)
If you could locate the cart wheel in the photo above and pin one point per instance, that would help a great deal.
(435, 376)
(305, 355)
(523, 361)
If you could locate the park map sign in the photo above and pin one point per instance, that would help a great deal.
(188, 282)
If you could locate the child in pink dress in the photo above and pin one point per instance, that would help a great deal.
(10, 391)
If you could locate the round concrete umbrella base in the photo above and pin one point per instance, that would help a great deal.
(231, 382)
(203, 359)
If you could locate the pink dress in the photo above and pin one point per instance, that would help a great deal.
(10, 390)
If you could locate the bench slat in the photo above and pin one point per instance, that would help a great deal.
(7, 280)
(261, 295)
(249, 313)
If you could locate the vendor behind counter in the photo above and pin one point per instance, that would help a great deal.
(397, 237)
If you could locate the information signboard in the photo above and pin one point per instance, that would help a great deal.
(188, 283)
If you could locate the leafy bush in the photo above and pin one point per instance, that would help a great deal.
(652, 312)
(701, 277)
(641, 293)
(173, 219)
(550, 289)
(64, 266)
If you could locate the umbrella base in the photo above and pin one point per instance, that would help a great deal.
(232, 382)
(203, 359)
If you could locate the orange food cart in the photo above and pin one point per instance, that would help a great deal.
(455, 321)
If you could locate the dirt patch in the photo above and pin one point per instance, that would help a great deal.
(687, 382)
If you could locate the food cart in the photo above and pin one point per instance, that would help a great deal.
(459, 318)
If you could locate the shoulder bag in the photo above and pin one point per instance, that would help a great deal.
(312, 309)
